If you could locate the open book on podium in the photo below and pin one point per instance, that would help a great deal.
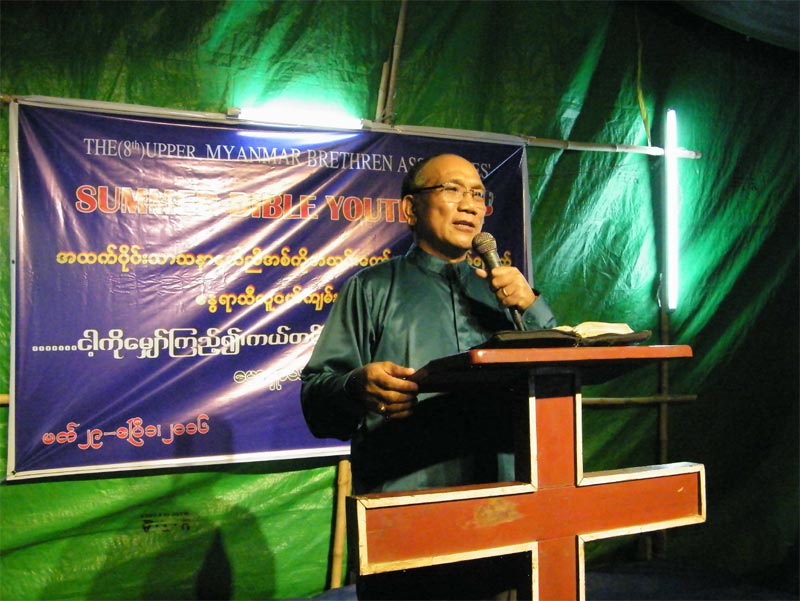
(588, 333)
(599, 351)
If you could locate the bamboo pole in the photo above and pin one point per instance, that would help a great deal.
(597, 147)
(343, 483)
(381, 106)
(388, 116)
(659, 544)
(658, 399)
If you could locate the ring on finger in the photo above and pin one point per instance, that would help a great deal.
(503, 290)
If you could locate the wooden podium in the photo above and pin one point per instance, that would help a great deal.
(554, 507)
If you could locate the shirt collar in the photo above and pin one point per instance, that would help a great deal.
(436, 265)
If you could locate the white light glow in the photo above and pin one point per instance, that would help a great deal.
(672, 213)
(298, 112)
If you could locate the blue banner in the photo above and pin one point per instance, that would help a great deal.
(172, 276)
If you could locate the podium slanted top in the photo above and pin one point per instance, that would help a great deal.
(488, 366)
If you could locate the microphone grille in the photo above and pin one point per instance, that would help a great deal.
(484, 243)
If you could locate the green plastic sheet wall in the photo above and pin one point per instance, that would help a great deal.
(601, 72)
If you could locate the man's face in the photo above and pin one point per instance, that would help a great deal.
(446, 222)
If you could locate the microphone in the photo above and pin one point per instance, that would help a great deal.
(486, 246)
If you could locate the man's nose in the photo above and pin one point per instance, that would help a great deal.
(468, 204)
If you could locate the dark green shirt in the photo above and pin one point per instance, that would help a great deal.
(411, 310)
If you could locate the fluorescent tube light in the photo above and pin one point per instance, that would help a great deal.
(672, 213)
(301, 113)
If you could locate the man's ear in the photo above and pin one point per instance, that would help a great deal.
(409, 209)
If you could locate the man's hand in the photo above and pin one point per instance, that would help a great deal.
(510, 286)
(383, 388)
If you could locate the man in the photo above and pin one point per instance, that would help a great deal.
(395, 317)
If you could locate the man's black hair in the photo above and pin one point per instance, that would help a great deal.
(410, 180)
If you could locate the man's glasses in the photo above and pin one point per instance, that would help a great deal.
(453, 193)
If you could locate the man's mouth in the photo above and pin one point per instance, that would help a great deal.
(464, 225)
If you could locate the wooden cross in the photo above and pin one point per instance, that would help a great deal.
(556, 507)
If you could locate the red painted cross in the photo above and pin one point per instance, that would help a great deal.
(557, 507)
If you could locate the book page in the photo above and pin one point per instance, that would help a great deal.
(587, 329)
